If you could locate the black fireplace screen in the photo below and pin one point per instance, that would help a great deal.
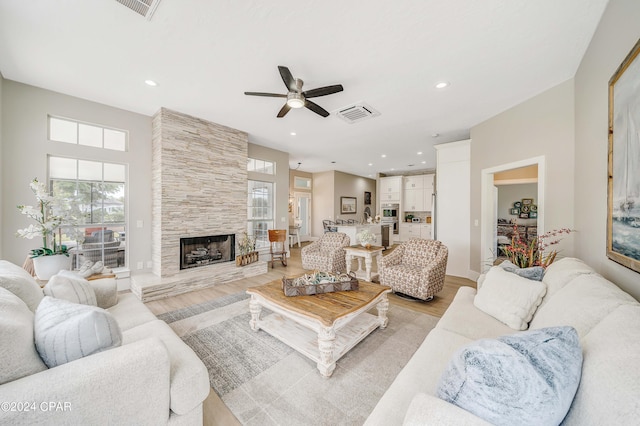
(202, 251)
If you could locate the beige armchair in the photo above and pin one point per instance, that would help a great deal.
(415, 268)
(326, 254)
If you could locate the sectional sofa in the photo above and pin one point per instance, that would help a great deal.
(607, 322)
(146, 376)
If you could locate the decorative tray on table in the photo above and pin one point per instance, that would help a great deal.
(318, 282)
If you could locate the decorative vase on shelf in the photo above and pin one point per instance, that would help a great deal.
(47, 266)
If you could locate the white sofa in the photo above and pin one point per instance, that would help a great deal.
(607, 321)
(153, 378)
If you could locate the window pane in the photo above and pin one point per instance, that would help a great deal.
(251, 165)
(62, 168)
(269, 167)
(113, 202)
(114, 172)
(89, 170)
(63, 130)
(115, 139)
(300, 182)
(90, 135)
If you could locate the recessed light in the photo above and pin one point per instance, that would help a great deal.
(150, 83)
(392, 169)
(292, 133)
(424, 162)
(371, 164)
(383, 155)
(435, 135)
(442, 84)
(419, 152)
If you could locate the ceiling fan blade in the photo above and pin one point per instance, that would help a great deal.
(284, 110)
(272, 95)
(316, 108)
(323, 91)
(288, 79)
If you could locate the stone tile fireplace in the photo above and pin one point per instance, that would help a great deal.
(196, 252)
(199, 172)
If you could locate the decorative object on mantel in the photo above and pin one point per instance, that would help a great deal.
(49, 215)
(247, 248)
(623, 189)
(525, 255)
(366, 237)
(318, 282)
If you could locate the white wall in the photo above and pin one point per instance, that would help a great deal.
(1, 173)
(616, 34)
(348, 185)
(540, 126)
(24, 156)
(322, 206)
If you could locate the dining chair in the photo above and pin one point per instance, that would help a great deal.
(277, 248)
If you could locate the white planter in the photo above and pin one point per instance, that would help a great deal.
(48, 266)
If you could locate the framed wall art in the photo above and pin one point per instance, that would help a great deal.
(348, 205)
(367, 197)
(623, 189)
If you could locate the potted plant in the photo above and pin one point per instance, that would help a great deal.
(49, 259)
(247, 249)
(366, 237)
(535, 253)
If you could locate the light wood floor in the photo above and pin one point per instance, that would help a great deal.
(215, 412)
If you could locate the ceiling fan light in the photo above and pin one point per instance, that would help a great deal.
(295, 100)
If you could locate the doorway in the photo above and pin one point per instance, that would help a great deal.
(510, 173)
(302, 214)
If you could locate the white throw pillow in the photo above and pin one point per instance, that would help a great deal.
(106, 289)
(17, 349)
(66, 331)
(509, 298)
(19, 282)
(76, 289)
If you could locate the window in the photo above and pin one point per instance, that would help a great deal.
(69, 131)
(301, 182)
(95, 194)
(261, 166)
(260, 211)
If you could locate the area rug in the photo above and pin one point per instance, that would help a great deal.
(264, 382)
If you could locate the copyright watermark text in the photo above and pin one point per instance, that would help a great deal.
(40, 406)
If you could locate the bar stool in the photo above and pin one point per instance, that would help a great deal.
(294, 233)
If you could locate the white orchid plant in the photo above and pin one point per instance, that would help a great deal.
(47, 221)
(366, 236)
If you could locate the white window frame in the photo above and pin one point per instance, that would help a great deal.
(78, 140)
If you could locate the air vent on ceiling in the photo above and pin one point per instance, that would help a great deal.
(356, 113)
(141, 7)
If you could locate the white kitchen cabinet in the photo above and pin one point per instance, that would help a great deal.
(417, 193)
(410, 230)
(390, 189)
(425, 231)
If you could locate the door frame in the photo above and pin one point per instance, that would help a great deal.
(297, 195)
(488, 213)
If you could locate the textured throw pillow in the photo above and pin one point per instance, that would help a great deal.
(529, 378)
(17, 349)
(509, 298)
(106, 289)
(76, 290)
(66, 331)
(533, 273)
(19, 282)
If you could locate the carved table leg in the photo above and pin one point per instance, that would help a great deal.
(348, 258)
(255, 308)
(383, 308)
(326, 343)
(367, 263)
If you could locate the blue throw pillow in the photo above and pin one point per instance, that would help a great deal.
(533, 273)
(528, 378)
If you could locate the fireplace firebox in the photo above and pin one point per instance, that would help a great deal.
(203, 251)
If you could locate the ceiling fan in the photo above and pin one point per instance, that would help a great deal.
(296, 98)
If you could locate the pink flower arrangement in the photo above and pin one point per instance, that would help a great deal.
(536, 253)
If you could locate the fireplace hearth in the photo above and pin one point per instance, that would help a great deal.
(204, 251)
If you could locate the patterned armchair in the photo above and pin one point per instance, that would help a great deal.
(326, 254)
(415, 268)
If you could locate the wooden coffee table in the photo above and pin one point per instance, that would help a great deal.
(322, 327)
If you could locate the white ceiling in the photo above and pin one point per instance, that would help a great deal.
(206, 54)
